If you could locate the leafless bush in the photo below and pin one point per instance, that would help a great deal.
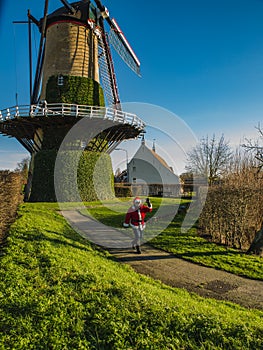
(233, 211)
(10, 196)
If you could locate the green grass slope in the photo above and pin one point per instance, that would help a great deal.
(57, 292)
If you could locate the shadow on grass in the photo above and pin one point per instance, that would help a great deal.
(142, 258)
(38, 236)
(210, 253)
(130, 255)
(196, 249)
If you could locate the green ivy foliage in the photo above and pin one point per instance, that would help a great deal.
(43, 177)
(95, 178)
(53, 137)
(77, 90)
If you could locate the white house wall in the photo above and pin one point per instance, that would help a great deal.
(146, 168)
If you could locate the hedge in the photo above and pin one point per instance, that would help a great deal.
(122, 191)
(11, 184)
(94, 176)
(77, 90)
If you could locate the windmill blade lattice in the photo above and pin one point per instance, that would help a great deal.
(107, 74)
(121, 45)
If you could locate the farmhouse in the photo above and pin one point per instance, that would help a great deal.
(148, 170)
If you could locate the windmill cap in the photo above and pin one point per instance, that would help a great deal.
(80, 15)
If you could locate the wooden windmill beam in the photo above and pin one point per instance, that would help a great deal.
(40, 56)
(33, 19)
(30, 54)
(68, 6)
(112, 76)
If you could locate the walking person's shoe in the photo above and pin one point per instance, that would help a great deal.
(138, 249)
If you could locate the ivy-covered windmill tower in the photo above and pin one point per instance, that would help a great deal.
(74, 75)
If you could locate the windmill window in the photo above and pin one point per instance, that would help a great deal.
(60, 80)
(134, 168)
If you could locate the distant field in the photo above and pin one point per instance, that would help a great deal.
(57, 292)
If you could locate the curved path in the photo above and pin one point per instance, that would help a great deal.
(175, 272)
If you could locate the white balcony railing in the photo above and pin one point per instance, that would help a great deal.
(72, 110)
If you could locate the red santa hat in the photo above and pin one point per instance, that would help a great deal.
(137, 200)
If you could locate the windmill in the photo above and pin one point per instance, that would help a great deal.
(74, 74)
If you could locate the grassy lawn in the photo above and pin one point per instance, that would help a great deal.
(113, 212)
(188, 246)
(57, 292)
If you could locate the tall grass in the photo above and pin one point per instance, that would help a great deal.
(58, 293)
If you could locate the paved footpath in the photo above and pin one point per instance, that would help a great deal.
(163, 266)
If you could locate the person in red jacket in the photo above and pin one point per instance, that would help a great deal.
(135, 218)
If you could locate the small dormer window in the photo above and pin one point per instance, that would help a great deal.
(60, 80)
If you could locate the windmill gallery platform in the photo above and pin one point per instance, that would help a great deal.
(23, 121)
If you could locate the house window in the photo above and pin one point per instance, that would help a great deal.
(60, 80)
(134, 168)
(134, 180)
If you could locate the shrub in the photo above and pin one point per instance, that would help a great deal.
(122, 191)
(94, 176)
(233, 211)
(10, 196)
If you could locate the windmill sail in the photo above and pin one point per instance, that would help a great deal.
(107, 73)
(123, 48)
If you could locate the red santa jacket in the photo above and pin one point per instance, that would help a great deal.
(135, 216)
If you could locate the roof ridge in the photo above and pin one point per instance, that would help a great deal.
(159, 158)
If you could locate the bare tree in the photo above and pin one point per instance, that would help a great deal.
(209, 158)
(117, 172)
(257, 149)
(23, 167)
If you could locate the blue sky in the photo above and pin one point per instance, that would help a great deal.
(201, 60)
